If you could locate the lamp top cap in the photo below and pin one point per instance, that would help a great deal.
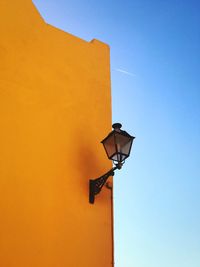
(116, 126)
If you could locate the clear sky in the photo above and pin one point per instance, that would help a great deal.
(155, 68)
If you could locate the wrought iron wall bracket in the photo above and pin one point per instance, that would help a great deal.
(96, 185)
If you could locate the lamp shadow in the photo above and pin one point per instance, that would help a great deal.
(88, 163)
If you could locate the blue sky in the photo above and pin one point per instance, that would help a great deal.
(155, 69)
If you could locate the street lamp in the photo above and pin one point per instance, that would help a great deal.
(117, 145)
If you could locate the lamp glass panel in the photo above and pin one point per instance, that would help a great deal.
(119, 157)
(109, 145)
(123, 144)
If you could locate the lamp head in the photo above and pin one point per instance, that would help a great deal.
(118, 144)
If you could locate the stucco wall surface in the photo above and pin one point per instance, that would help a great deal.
(55, 108)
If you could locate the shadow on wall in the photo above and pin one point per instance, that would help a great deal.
(88, 161)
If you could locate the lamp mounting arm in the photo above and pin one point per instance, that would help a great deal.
(96, 185)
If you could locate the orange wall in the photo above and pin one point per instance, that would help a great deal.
(55, 108)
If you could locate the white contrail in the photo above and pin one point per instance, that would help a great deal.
(125, 72)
